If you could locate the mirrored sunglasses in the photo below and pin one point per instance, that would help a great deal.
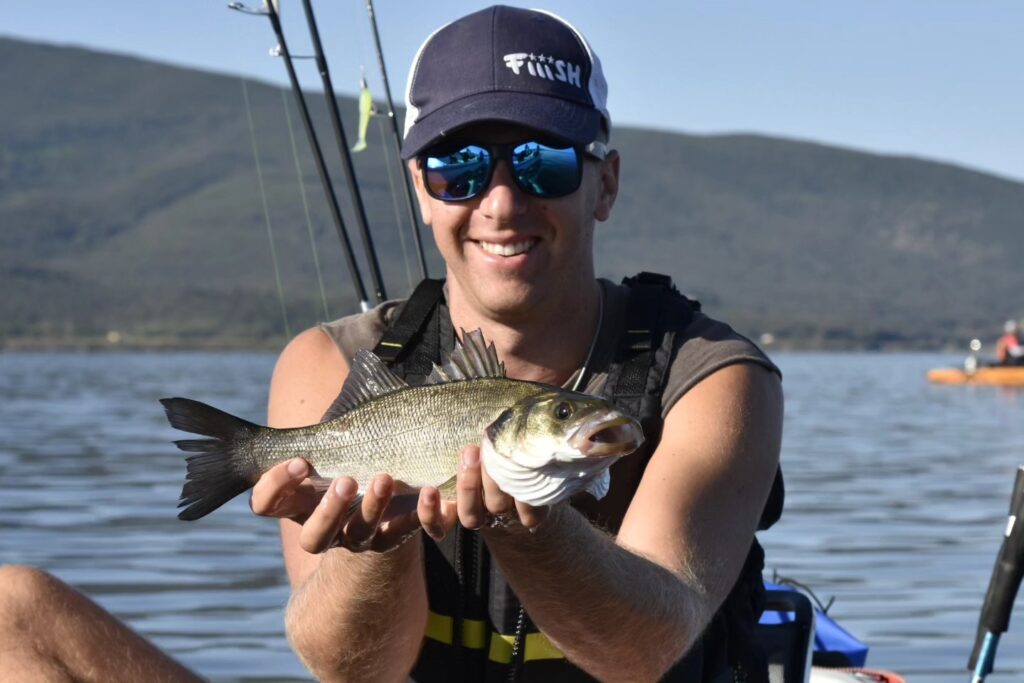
(457, 172)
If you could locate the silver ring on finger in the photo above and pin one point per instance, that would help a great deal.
(501, 520)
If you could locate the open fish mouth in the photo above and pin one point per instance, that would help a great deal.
(607, 434)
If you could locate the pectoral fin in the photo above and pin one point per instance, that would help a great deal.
(599, 485)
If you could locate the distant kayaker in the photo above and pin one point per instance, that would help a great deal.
(1009, 349)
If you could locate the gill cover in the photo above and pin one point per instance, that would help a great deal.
(547, 448)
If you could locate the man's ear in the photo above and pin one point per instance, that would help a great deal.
(609, 187)
(421, 194)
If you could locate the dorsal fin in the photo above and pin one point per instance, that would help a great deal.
(473, 358)
(367, 379)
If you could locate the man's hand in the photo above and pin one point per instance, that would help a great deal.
(389, 513)
(479, 500)
(387, 516)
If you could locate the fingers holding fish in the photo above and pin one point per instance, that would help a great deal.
(322, 530)
(482, 502)
(469, 488)
(362, 526)
(436, 516)
(409, 510)
(531, 517)
(395, 531)
(375, 520)
(498, 503)
(280, 492)
(505, 508)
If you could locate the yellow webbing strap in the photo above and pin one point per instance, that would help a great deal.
(474, 635)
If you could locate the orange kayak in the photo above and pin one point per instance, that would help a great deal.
(824, 675)
(1002, 376)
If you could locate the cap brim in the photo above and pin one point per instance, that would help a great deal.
(553, 116)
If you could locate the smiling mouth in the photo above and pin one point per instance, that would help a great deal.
(513, 249)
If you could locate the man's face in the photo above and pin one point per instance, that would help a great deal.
(508, 252)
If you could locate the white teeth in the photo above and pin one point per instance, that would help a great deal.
(507, 249)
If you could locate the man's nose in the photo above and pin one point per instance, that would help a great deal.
(503, 198)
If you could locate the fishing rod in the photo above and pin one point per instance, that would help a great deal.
(270, 10)
(1002, 587)
(410, 202)
(346, 158)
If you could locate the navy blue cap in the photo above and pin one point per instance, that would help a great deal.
(519, 66)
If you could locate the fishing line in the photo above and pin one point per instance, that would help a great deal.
(593, 342)
(354, 19)
(269, 10)
(266, 208)
(410, 203)
(305, 204)
(361, 50)
(394, 205)
(346, 158)
(399, 225)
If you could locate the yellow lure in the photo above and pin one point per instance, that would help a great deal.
(366, 110)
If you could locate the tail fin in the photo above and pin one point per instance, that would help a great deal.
(216, 473)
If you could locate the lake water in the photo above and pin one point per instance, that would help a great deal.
(897, 493)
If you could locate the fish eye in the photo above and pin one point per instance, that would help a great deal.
(562, 411)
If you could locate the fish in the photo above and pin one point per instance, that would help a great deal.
(540, 443)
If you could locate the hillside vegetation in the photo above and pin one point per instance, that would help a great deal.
(130, 202)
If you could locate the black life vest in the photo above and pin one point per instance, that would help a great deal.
(477, 630)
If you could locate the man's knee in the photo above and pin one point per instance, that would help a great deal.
(27, 599)
(23, 590)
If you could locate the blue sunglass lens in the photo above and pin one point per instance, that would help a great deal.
(458, 174)
(540, 170)
(546, 171)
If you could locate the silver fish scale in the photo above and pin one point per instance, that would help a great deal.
(413, 434)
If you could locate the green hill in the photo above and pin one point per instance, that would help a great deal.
(130, 201)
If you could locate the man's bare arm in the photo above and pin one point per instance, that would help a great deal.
(630, 607)
(352, 616)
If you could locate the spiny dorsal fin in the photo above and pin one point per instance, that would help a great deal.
(473, 358)
(367, 379)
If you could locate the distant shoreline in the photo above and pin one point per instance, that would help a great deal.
(23, 345)
(274, 345)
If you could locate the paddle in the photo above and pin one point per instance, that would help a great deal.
(1002, 588)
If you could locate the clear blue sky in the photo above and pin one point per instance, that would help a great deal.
(939, 79)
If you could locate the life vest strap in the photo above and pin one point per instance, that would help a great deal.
(419, 335)
(474, 636)
(418, 308)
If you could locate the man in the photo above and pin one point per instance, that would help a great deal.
(506, 138)
(1009, 350)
